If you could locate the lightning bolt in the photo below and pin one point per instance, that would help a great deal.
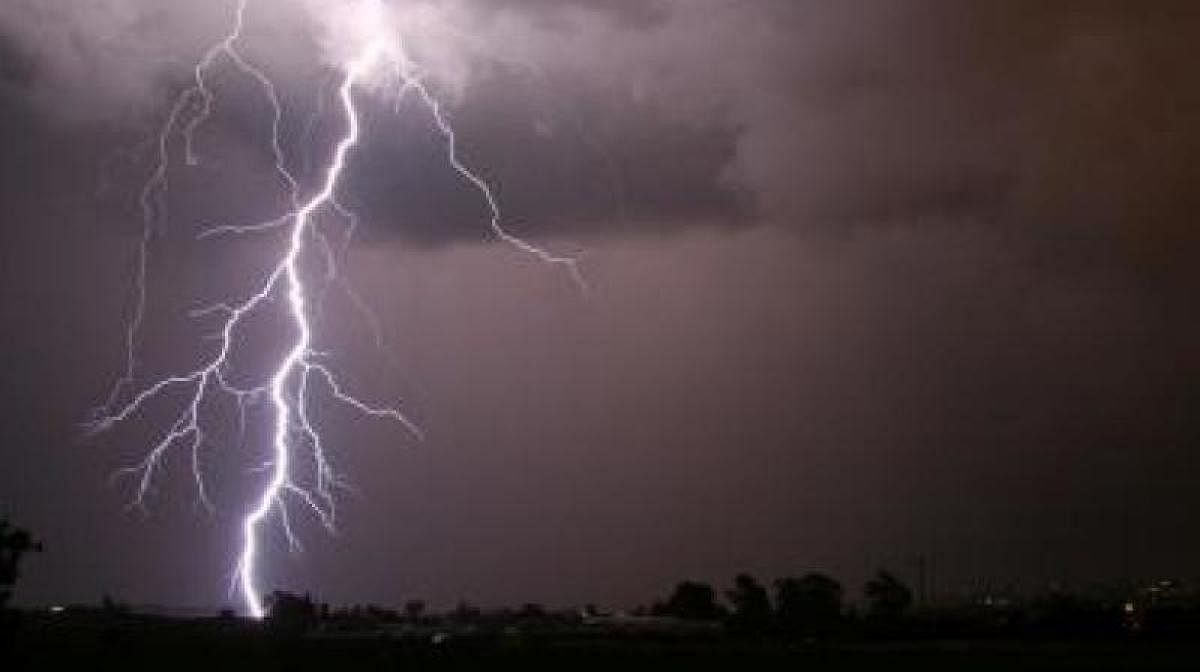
(296, 440)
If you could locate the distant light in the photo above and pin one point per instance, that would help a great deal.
(1129, 607)
(57, 609)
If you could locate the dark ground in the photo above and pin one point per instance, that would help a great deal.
(218, 646)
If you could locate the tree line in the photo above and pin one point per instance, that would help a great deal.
(808, 606)
(811, 605)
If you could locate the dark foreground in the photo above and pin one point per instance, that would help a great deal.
(215, 646)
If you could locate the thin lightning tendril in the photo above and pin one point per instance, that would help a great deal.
(301, 370)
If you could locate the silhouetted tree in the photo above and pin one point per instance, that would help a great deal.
(887, 597)
(291, 614)
(14, 543)
(531, 611)
(112, 606)
(465, 613)
(692, 600)
(379, 614)
(809, 605)
(414, 610)
(751, 605)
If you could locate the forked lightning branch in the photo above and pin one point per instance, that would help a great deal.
(297, 470)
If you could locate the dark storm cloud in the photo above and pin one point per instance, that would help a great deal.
(561, 167)
(644, 116)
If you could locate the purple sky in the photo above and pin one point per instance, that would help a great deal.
(871, 280)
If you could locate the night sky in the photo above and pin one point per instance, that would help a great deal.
(870, 280)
